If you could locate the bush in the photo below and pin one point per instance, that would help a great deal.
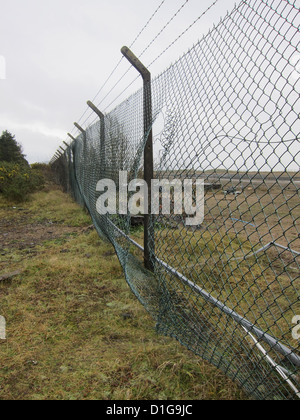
(17, 181)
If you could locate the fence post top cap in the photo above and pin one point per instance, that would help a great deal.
(135, 62)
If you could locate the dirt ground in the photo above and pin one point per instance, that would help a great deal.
(28, 235)
(20, 234)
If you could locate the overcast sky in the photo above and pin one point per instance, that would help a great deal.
(59, 53)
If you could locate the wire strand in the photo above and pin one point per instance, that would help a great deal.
(167, 48)
(148, 46)
(120, 61)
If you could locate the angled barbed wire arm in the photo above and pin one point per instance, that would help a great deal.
(79, 128)
(95, 109)
(149, 245)
(71, 137)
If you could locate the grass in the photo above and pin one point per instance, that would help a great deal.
(74, 329)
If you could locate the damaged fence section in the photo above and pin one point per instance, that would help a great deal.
(226, 114)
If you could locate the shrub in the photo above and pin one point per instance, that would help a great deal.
(17, 181)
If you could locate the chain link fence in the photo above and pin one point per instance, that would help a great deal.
(227, 112)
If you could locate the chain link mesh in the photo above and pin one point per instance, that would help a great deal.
(226, 112)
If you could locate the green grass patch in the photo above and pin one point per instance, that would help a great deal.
(74, 328)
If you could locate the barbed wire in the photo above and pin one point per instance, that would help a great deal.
(165, 50)
(147, 47)
(120, 61)
(142, 53)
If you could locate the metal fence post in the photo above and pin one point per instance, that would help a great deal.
(73, 155)
(148, 155)
(102, 136)
(84, 141)
(73, 146)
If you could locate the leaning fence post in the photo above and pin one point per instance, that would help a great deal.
(102, 136)
(148, 155)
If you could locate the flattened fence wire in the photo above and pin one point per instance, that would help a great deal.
(227, 112)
